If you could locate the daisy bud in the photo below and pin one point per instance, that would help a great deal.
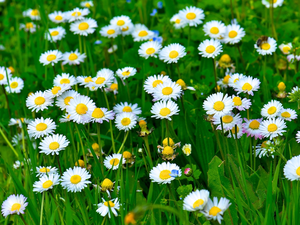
(281, 86)
(79, 162)
(188, 172)
(130, 218)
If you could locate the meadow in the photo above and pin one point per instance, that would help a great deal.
(149, 112)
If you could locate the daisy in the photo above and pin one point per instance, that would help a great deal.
(126, 72)
(38, 101)
(164, 109)
(291, 58)
(167, 91)
(214, 29)
(77, 14)
(149, 49)
(4, 74)
(247, 85)
(102, 114)
(172, 53)
(19, 122)
(16, 84)
(265, 149)
(214, 209)
(84, 27)
(103, 79)
(241, 103)
(272, 127)
(152, 82)
(276, 3)
(162, 173)
(127, 107)
(187, 149)
(41, 127)
(110, 31)
(298, 136)
(57, 17)
(236, 131)
(31, 27)
(192, 16)
(285, 48)
(251, 128)
(196, 200)
(183, 86)
(75, 179)
(57, 91)
(65, 118)
(125, 121)
(51, 56)
(113, 161)
(267, 47)
(234, 34)
(46, 182)
(141, 33)
(45, 170)
(80, 109)
(228, 120)
(34, 14)
(128, 29)
(84, 80)
(113, 87)
(210, 48)
(287, 114)
(14, 204)
(87, 4)
(63, 100)
(178, 22)
(121, 22)
(234, 78)
(218, 104)
(291, 169)
(64, 78)
(271, 109)
(73, 57)
(53, 144)
(55, 34)
(105, 207)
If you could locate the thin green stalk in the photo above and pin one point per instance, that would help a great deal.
(110, 124)
(148, 149)
(22, 218)
(189, 37)
(238, 47)
(125, 138)
(100, 147)
(23, 142)
(8, 143)
(42, 206)
(59, 167)
(80, 47)
(6, 98)
(215, 74)
(178, 70)
(82, 147)
(114, 53)
(73, 142)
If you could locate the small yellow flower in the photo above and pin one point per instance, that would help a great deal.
(80, 162)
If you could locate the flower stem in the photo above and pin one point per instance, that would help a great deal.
(22, 218)
(57, 157)
(42, 206)
(6, 98)
(124, 140)
(110, 124)
(215, 74)
(100, 147)
(146, 140)
(83, 151)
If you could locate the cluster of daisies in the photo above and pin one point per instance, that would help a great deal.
(11, 84)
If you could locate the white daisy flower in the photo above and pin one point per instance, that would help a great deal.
(214, 29)
(55, 34)
(51, 56)
(46, 182)
(161, 174)
(64, 78)
(287, 114)
(103, 79)
(14, 204)
(77, 14)
(237, 131)
(4, 74)
(63, 100)
(80, 109)
(215, 209)
(196, 200)
(84, 80)
(267, 47)
(218, 104)
(187, 149)
(149, 49)
(234, 34)
(291, 58)
(178, 21)
(102, 114)
(141, 33)
(41, 127)
(113, 161)
(172, 53)
(272, 127)
(120, 22)
(58, 17)
(241, 103)
(45, 170)
(57, 91)
(192, 16)
(53, 144)
(87, 4)
(110, 31)
(31, 27)
(76, 179)
(229, 121)
(285, 48)
(271, 109)
(210, 48)
(234, 78)
(65, 118)
(127, 30)
(84, 27)
(152, 82)
(113, 87)
(251, 128)
(16, 84)
(73, 57)
(126, 72)
(19, 122)
(38, 101)
(164, 109)
(127, 107)
(105, 207)
(291, 169)
(167, 91)
(247, 85)
(265, 149)
(125, 121)
(34, 14)
(298, 136)
(276, 3)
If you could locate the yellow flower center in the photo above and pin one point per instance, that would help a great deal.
(47, 184)
(67, 100)
(88, 79)
(177, 21)
(54, 145)
(214, 30)
(281, 86)
(125, 121)
(157, 82)
(76, 14)
(219, 106)
(198, 203)
(15, 207)
(14, 84)
(107, 183)
(173, 54)
(120, 22)
(168, 141)
(114, 87)
(83, 26)
(187, 150)
(181, 83)
(55, 90)
(95, 146)
(127, 155)
(51, 57)
(272, 110)
(214, 210)
(168, 150)
(29, 25)
(58, 17)
(98, 113)
(127, 109)
(190, 16)
(226, 79)
(110, 31)
(227, 119)
(225, 58)
(232, 34)
(150, 51)
(126, 73)
(235, 131)
(100, 80)
(44, 170)
(286, 49)
(39, 100)
(75, 179)
(80, 162)
(247, 87)
(265, 46)
(64, 81)
(272, 127)
(114, 162)
(81, 109)
(54, 33)
(41, 127)
(73, 57)
(237, 101)
(125, 28)
(88, 5)
(167, 91)
(34, 12)
(110, 203)
(210, 49)
(264, 144)
(1, 76)
(298, 171)
(165, 174)
(286, 114)
(254, 125)
(143, 33)
(165, 111)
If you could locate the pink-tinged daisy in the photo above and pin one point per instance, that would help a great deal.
(251, 128)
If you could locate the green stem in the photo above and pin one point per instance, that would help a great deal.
(83, 151)
(178, 70)
(80, 47)
(8, 143)
(148, 149)
(100, 147)
(125, 138)
(110, 124)
(215, 74)
(42, 206)
(22, 218)
(6, 98)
